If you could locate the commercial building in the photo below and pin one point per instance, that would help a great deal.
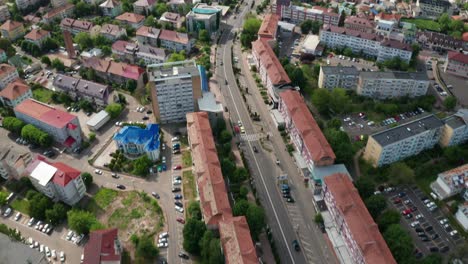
(37, 36)
(433, 8)
(304, 131)
(462, 215)
(4, 13)
(103, 247)
(112, 32)
(76, 26)
(202, 16)
(456, 64)
(271, 72)
(369, 44)
(12, 30)
(298, 14)
(349, 214)
(77, 89)
(360, 24)
(173, 19)
(111, 8)
(455, 130)
(439, 41)
(58, 13)
(135, 141)
(8, 74)
(331, 77)
(175, 41)
(451, 182)
(403, 141)
(384, 85)
(148, 35)
(144, 7)
(62, 126)
(12, 251)
(57, 180)
(236, 241)
(13, 162)
(131, 19)
(15, 93)
(175, 88)
(98, 120)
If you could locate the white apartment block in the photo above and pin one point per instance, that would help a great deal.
(455, 131)
(462, 215)
(175, 89)
(150, 55)
(331, 77)
(4, 13)
(451, 182)
(382, 85)
(403, 141)
(433, 8)
(8, 74)
(299, 14)
(23, 4)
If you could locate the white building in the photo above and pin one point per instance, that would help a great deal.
(451, 182)
(57, 180)
(23, 4)
(98, 120)
(175, 88)
(383, 85)
(298, 14)
(15, 93)
(312, 45)
(8, 74)
(455, 131)
(331, 77)
(462, 215)
(150, 55)
(176, 41)
(4, 13)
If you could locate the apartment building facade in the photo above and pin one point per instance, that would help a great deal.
(12, 30)
(175, 88)
(439, 41)
(4, 13)
(76, 88)
(203, 17)
(403, 141)
(175, 41)
(298, 14)
(360, 24)
(112, 32)
(37, 36)
(173, 19)
(58, 13)
(57, 181)
(15, 93)
(150, 55)
(76, 26)
(62, 126)
(8, 74)
(456, 64)
(131, 19)
(451, 182)
(455, 130)
(384, 85)
(331, 77)
(433, 8)
(148, 35)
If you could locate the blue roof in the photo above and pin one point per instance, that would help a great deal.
(375, 12)
(204, 79)
(137, 135)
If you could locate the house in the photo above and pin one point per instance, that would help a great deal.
(24, 4)
(4, 13)
(173, 19)
(62, 126)
(13, 162)
(77, 89)
(8, 74)
(148, 35)
(451, 182)
(150, 55)
(439, 41)
(76, 26)
(131, 19)
(135, 141)
(175, 41)
(298, 14)
(37, 36)
(433, 8)
(455, 130)
(144, 7)
(103, 247)
(456, 64)
(15, 93)
(32, 19)
(12, 30)
(58, 13)
(111, 8)
(124, 50)
(236, 241)
(203, 17)
(112, 32)
(56, 180)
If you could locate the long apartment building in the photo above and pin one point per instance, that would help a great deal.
(433, 8)
(77, 88)
(15, 93)
(455, 130)
(62, 126)
(57, 180)
(331, 77)
(304, 131)
(403, 141)
(298, 14)
(361, 235)
(235, 237)
(175, 88)
(383, 85)
(451, 182)
(456, 64)
(368, 43)
(8, 74)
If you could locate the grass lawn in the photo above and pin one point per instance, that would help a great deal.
(43, 95)
(21, 205)
(190, 190)
(423, 23)
(102, 199)
(186, 159)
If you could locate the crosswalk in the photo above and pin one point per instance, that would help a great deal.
(253, 137)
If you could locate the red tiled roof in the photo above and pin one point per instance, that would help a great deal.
(465, 37)
(211, 187)
(120, 45)
(45, 113)
(236, 241)
(354, 20)
(110, 29)
(174, 36)
(62, 176)
(130, 17)
(14, 90)
(37, 34)
(52, 13)
(396, 45)
(458, 56)
(268, 58)
(313, 138)
(97, 64)
(125, 70)
(362, 227)
(149, 32)
(385, 16)
(352, 32)
(6, 69)
(101, 247)
(269, 26)
(10, 25)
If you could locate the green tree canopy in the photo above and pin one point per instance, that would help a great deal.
(46, 60)
(240, 207)
(13, 124)
(365, 187)
(256, 219)
(177, 56)
(39, 205)
(450, 102)
(35, 135)
(145, 248)
(388, 218)
(83, 40)
(399, 242)
(58, 64)
(142, 165)
(56, 214)
(193, 232)
(400, 173)
(3, 198)
(114, 109)
(376, 204)
(87, 179)
(194, 210)
(203, 36)
(81, 221)
(249, 31)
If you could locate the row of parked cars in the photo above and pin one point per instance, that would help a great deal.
(40, 226)
(74, 237)
(46, 250)
(398, 118)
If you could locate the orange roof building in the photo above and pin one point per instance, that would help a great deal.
(305, 132)
(15, 93)
(269, 27)
(361, 234)
(236, 241)
(8, 74)
(131, 19)
(37, 36)
(12, 30)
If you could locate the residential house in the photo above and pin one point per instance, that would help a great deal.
(148, 35)
(24, 4)
(8, 74)
(103, 247)
(37, 36)
(331, 77)
(112, 32)
(58, 13)
(451, 182)
(203, 17)
(62, 126)
(131, 19)
(144, 7)
(456, 64)
(360, 24)
(15, 93)
(4, 13)
(387, 16)
(96, 93)
(111, 8)
(135, 141)
(76, 26)
(32, 19)
(13, 162)
(455, 130)
(150, 55)
(12, 30)
(173, 19)
(298, 14)
(392, 84)
(175, 41)
(125, 50)
(439, 41)
(56, 180)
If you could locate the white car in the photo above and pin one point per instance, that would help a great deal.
(453, 233)
(415, 223)
(69, 235)
(31, 221)
(179, 209)
(62, 256)
(419, 216)
(176, 182)
(98, 172)
(163, 235)
(426, 201)
(429, 205)
(47, 251)
(17, 216)
(54, 254)
(36, 244)
(162, 245)
(41, 248)
(407, 201)
(164, 159)
(162, 240)
(347, 119)
(443, 221)
(175, 139)
(31, 242)
(78, 239)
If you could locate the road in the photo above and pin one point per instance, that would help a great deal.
(285, 226)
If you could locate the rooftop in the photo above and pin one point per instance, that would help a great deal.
(359, 21)
(52, 13)
(174, 36)
(45, 113)
(459, 119)
(145, 3)
(236, 241)
(345, 70)
(10, 25)
(92, 89)
(171, 17)
(148, 32)
(103, 246)
(110, 4)
(14, 90)
(172, 69)
(269, 26)
(45, 171)
(458, 177)
(16, 252)
(37, 34)
(407, 130)
(148, 50)
(110, 29)
(419, 76)
(78, 24)
(458, 56)
(268, 59)
(396, 45)
(149, 137)
(362, 227)
(6, 69)
(97, 118)
(351, 32)
(130, 17)
(436, 2)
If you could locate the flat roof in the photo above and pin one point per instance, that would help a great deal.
(420, 76)
(97, 118)
(208, 103)
(345, 70)
(43, 173)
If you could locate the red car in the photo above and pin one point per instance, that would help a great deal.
(397, 201)
(405, 212)
(181, 220)
(177, 167)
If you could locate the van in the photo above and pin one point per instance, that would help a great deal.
(433, 195)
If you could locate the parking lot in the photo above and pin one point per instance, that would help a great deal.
(360, 64)
(429, 230)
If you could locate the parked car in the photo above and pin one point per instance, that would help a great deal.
(183, 255)
(69, 235)
(295, 245)
(175, 189)
(177, 167)
(54, 254)
(120, 186)
(114, 175)
(414, 224)
(18, 216)
(178, 196)
(179, 209)
(62, 256)
(155, 195)
(453, 233)
(443, 221)
(162, 245)
(31, 221)
(98, 172)
(7, 212)
(419, 216)
(163, 234)
(178, 204)
(180, 220)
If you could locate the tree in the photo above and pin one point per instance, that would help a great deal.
(38, 206)
(81, 221)
(256, 219)
(160, 9)
(315, 27)
(3, 198)
(203, 36)
(306, 26)
(240, 207)
(13, 124)
(35, 135)
(150, 21)
(453, 154)
(114, 110)
(225, 136)
(205, 245)
(348, 52)
(46, 60)
(5, 45)
(321, 99)
(365, 187)
(194, 210)
(239, 175)
(131, 85)
(450, 102)
(92, 136)
(399, 242)
(249, 31)
(432, 259)
(145, 248)
(83, 40)
(193, 232)
(56, 214)
(177, 56)
(87, 179)
(388, 218)
(58, 64)
(49, 44)
(318, 218)
(376, 204)
(400, 173)
(141, 166)
(298, 78)
(444, 22)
